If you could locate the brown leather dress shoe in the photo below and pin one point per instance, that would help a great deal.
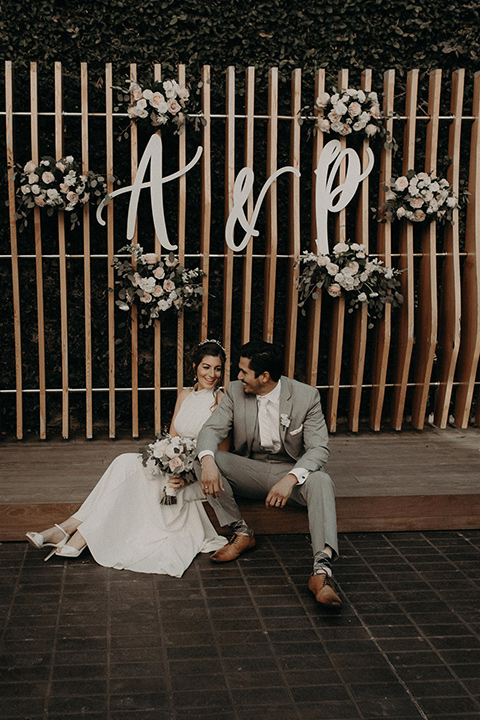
(323, 587)
(237, 545)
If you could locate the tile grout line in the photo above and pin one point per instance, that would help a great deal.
(54, 644)
(217, 644)
(109, 643)
(163, 644)
(266, 632)
(14, 595)
(349, 692)
(434, 590)
(375, 641)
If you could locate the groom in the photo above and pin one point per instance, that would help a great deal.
(280, 445)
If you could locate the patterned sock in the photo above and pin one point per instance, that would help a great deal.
(322, 564)
(240, 527)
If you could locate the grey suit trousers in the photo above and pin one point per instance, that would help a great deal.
(252, 478)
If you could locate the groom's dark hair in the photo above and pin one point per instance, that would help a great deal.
(264, 357)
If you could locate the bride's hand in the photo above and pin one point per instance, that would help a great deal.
(175, 483)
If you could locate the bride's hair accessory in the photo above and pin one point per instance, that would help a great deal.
(215, 342)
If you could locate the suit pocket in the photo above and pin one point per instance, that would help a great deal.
(297, 431)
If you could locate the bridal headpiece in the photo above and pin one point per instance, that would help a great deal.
(214, 342)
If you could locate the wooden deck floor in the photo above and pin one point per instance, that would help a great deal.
(426, 480)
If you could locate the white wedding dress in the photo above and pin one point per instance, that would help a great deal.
(126, 527)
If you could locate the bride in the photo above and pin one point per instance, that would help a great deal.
(122, 521)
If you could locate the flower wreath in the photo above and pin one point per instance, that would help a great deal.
(349, 271)
(156, 285)
(419, 197)
(58, 185)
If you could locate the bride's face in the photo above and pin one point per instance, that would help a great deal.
(209, 372)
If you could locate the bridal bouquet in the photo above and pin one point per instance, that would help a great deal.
(58, 185)
(158, 104)
(419, 197)
(156, 285)
(349, 270)
(350, 111)
(171, 456)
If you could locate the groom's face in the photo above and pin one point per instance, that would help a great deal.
(251, 384)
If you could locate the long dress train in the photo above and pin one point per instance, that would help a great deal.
(126, 527)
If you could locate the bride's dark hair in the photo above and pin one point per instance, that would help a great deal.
(212, 348)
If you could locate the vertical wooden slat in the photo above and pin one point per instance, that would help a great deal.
(450, 301)
(427, 318)
(62, 255)
(405, 328)
(206, 209)
(17, 330)
(157, 333)
(271, 211)
(248, 162)
(134, 312)
(383, 329)
(359, 344)
(182, 209)
(315, 306)
(37, 226)
(338, 319)
(229, 182)
(470, 342)
(110, 247)
(292, 297)
(87, 290)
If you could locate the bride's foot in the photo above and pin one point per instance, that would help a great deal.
(73, 548)
(48, 538)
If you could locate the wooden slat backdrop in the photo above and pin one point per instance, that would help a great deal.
(470, 345)
(42, 383)
(450, 311)
(403, 346)
(338, 319)
(271, 207)
(404, 330)
(86, 263)
(135, 239)
(383, 330)
(157, 342)
(315, 306)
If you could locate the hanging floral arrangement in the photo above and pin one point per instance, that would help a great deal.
(57, 185)
(419, 198)
(156, 285)
(156, 105)
(349, 271)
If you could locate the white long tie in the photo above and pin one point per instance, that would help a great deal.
(264, 424)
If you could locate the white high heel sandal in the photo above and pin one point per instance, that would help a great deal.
(67, 551)
(37, 541)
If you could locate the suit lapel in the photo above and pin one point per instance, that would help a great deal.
(285, 405)
(250, 418)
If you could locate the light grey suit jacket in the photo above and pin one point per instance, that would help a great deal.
(305, 439)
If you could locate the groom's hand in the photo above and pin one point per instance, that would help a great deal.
(211, 479)
(280, 492)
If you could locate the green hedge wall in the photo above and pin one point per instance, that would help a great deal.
(379, 34)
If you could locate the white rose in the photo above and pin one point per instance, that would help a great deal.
(362, 297)
(340, 108)
(322, 100)
(142, 104)
(147, 284)
(332, 268)
(169, 89)
(370, 130)
(35, 189)
(147, 94)
(337, 127)
(30, 167)
(361, 97)
(26, 189)
(324, 125)
(340, 248)
(401, 183)
(451, 202)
